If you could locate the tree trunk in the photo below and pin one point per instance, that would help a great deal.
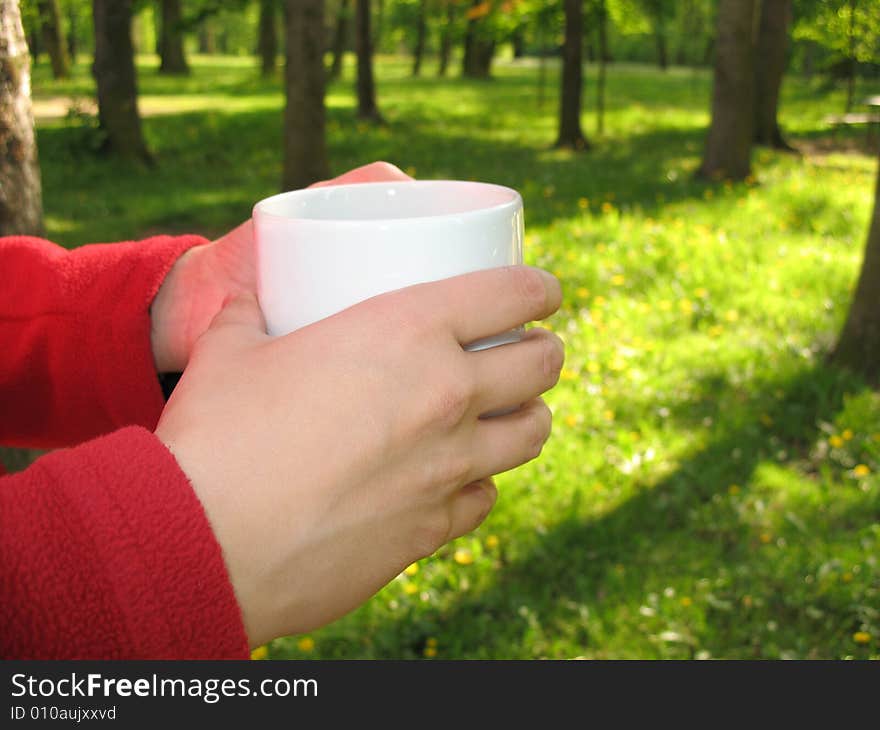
(340, 38)
(729, 142)
(602, 18)
(305, 144)
(859, 346)
(478, 50)
(21, 206)
(518, 41)
(207, 35)
(171, 46)
(770, 60)
(116, 80)
(267, 39)
(851, 65)
(421, 31)
(570, 134)
(379, 26)
(446, 39)
(660, 40)
(72, 41)
(366, 86)
(53, 37)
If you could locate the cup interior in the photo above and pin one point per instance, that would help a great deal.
(389, 201)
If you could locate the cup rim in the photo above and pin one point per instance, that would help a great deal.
(512, 204)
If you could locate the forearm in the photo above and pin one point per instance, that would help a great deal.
(105, 552)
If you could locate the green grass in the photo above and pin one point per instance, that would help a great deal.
(711, 487)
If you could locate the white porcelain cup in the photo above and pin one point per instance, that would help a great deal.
(321, 250)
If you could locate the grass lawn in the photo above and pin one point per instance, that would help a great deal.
(711, 489)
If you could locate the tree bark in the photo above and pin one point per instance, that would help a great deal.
(340, 38)
(267, 39)
(446, 39)
(478, 50)
(207, 35)
(421, 32)
(21, 203)
(770, 51)
(570, 133)
(72, 29)
(305, 144)
(366, 85)
(729, 142)
(171, 45)
(858, 348)
(116, 80)
(53, 37)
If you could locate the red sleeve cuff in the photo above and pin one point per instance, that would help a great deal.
(106, 552)
(75, 332)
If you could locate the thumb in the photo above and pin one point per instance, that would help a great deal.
(239, 317)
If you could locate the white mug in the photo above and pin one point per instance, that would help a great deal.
(321, 250)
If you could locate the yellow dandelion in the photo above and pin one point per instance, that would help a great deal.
(617, 364)
(708, 194)
(570, 421)
(847, 434)
(492, 542)
(701, 293)
(835, 441)
(731, 315)
(583, 203)
(665, 305)
(861, 470)
(686, 306)
(463, 556)
(570, 256)
(410, 589)
(582, 292)
(306, 644)
(716, 330)
(847, 577)
(567, 374)
(750, 180)
(430, 652)
(411, 569)
(557, 273)
(876, 437)
(411, 171)
(687, 601)
(607, 207)
(608, 415)
(599, 301)
(765, 537)
(261, 652)
(861, 637)
(618, 279)
(766, 419)
(733, 490)
(548, 191)
(431, 642)
(593, 367)
(747, 601)
(601, 247)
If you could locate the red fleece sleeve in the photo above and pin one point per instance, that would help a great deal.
(75, 354)
(106, 552)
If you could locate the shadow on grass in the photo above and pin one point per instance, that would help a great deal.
(686, 525)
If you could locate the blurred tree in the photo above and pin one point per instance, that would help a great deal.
(305, 144)
(771, 55)
(21, 203)
(267, 39)
(658, 12)
(366, 86)
(53, 37)
(173, 59)
(446, 35)
(207, 36)
(340, 37)
(479, 41)
(570, 133)
(421, 32)
(729, 142)
(116, 80)
(858, 348)
(602, 31)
